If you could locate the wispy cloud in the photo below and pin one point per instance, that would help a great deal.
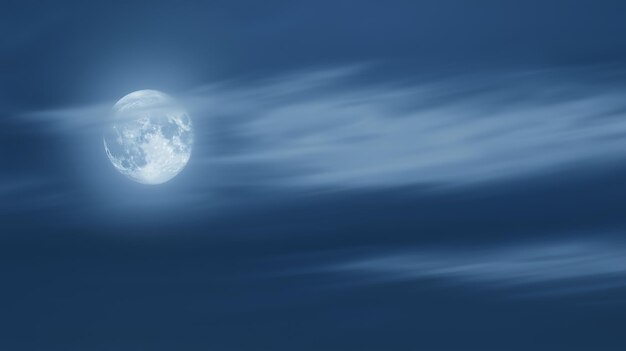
(70, 119)
(328, 128)
(567, 267)
(324, 129)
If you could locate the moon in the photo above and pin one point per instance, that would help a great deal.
(150, 137)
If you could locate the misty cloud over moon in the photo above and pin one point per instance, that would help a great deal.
(324, 129)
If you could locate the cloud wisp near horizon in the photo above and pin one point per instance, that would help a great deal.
(537, 270)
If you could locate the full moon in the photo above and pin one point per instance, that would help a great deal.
(150, 137)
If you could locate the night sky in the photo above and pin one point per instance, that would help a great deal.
(365, 175)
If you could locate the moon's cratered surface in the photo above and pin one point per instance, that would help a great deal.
(150, 137)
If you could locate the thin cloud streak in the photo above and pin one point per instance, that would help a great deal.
(557, 268)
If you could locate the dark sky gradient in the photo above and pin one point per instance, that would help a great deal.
(400, 175)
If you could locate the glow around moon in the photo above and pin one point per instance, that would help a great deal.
(150, 137)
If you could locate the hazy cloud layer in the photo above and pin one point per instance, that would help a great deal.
(329, 128)
(325, 129)
(566, 267)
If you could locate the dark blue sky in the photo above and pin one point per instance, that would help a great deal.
(400, 175)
